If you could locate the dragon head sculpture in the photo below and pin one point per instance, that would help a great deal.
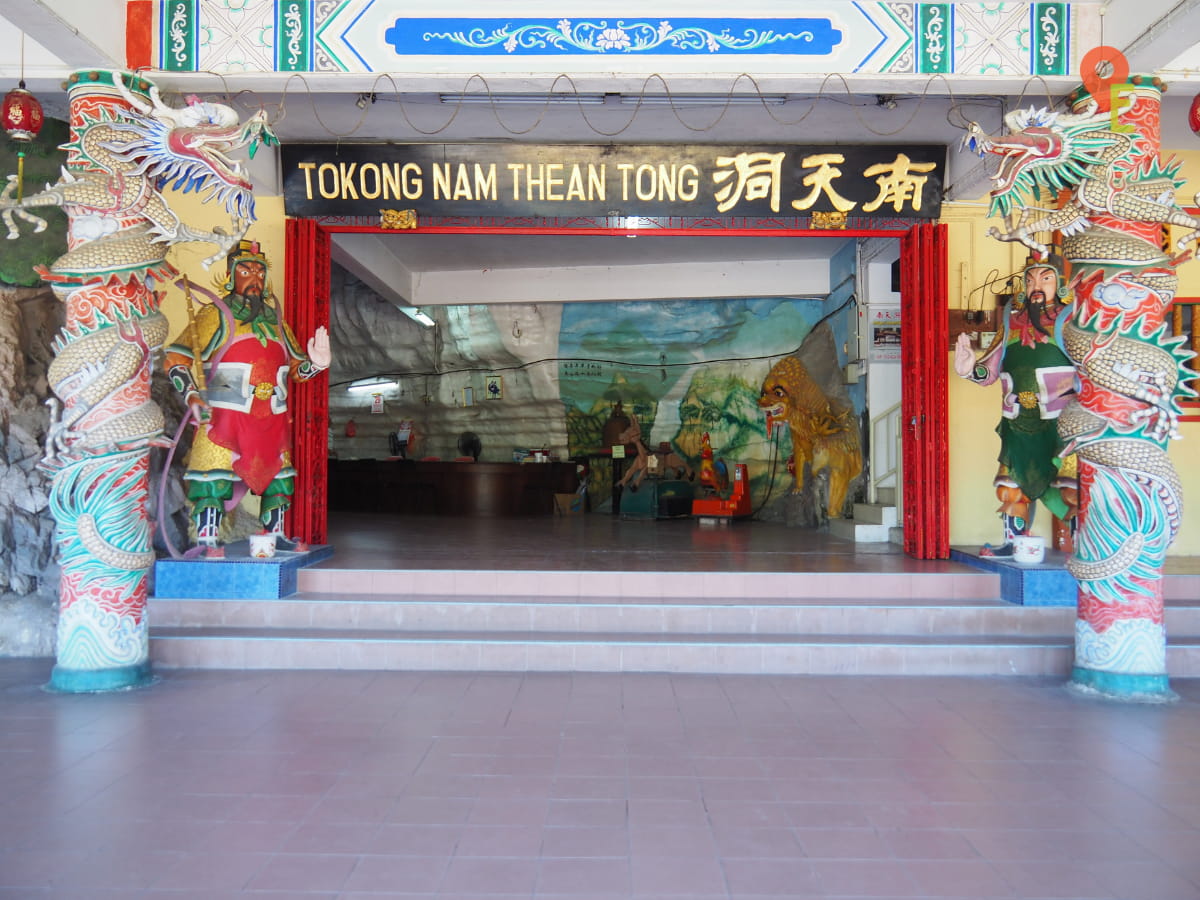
(1043, 151)
(189, 149)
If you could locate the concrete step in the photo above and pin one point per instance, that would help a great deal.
(859, 532)
(234, 648)
(608, 652)
(621, 615)
(963, 583)
(968, 636)
(947, 622)
(876, 514)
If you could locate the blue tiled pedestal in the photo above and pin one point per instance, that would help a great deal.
(1046, 584)
(238, 575)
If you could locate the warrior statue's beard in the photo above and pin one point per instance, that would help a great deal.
(254, 302)
(1035, 308)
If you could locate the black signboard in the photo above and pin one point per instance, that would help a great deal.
(651, 180)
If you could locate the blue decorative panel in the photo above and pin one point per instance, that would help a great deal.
(817, 36)
(418, 37)
(236, 576)
(1046, 584)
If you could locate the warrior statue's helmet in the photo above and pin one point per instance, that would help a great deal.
(247, 251)
(1052, 259)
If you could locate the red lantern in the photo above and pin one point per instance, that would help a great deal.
(22, 114)
(1194, 115)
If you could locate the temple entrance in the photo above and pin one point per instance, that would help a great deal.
(924, 394)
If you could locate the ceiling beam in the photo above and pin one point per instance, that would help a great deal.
(1151, 33)
(757, 278)
(80, 35)
(368, 258)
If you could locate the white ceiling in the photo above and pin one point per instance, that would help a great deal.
(440, 269)
(442, 252)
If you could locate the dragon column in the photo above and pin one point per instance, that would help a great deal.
(125, 146)
(1115, 200)
(1131, 374)
(99, 452)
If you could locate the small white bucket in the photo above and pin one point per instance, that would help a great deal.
(1029, 550)
(262, 546)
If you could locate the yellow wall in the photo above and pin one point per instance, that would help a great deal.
(974, 411)
(1189, 272)
(979, 265)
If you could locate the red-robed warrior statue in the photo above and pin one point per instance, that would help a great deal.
(238, 396)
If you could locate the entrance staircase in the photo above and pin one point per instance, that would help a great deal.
(873, 523)
(877, 522)
(939, 623)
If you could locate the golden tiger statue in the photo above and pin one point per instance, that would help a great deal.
(823, 435)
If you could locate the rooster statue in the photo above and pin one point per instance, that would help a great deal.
(714, 475)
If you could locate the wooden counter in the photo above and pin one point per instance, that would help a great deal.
(448, 488)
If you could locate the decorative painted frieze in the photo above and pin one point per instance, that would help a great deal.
(935, 39)
(178, 34)
(568, 37)
(293, 36)
(800, 37)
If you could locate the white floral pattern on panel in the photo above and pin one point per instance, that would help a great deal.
(236, 36)
(992, 39)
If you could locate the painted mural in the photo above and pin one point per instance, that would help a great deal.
(571, 377)
(686, 369)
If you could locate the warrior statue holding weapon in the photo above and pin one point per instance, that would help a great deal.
(232, 367)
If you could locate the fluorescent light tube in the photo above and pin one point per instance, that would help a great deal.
(682, 100)
(417, 316)
(521, 99)
(375, 385)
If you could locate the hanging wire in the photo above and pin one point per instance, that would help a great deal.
(653, 85)
(1045, 85)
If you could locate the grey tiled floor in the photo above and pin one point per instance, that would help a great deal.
(599, 542)
(215, 785)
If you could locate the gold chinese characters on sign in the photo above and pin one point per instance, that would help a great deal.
(586, 180)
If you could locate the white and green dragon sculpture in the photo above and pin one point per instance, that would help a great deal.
(129, 153)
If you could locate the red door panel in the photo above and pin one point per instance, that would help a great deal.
(925, 441)
(306, 306)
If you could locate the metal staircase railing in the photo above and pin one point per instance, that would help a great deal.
(885, 453)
